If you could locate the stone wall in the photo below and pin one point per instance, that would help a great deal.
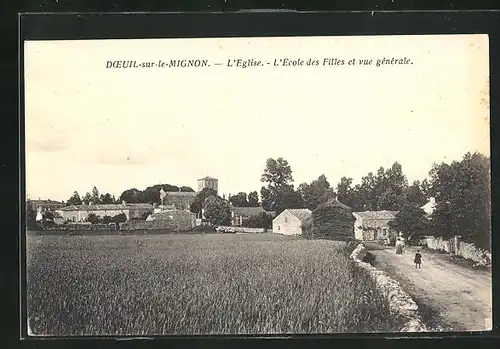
(400, 302)
(459, 248)
(241, 229)
(470, 251)
(167, 226)
(437, 243)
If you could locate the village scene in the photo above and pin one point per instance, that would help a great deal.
(384, 234)
(268, 200)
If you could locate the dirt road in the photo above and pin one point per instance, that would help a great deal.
(448, 295)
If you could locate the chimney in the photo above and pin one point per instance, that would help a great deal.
(124, 203)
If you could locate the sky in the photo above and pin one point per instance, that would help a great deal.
(116, 129)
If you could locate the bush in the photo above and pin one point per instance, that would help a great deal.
(263, 220)
(203, 229)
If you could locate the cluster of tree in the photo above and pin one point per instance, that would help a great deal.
(242, 200)
(463, 196)
(461, 190)
(96, 219)
(388, 189)
(94, 198)
(279, 192)
(263, 220)
(463, 204)
(149, 195)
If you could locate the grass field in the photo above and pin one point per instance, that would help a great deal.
(198, 284)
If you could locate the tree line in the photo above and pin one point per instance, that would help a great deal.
(134, 196)
(461, 190)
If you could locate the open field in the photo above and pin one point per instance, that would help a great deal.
(198, 284)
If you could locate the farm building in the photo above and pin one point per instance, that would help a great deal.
(240, 214)
(180, 200)
(79, 213)
(167, 221)
(291, 221)
(178, 217)
(373, 225)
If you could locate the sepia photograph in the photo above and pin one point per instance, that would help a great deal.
(257, 185)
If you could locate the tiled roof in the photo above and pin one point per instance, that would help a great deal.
(247, 211)
(101, 207)
(377, 214)
(45, 202)
(301, 213)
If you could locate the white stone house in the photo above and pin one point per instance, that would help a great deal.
(291, 221)
(373, 225)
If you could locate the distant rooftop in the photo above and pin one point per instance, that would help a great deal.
(180, 193)
(301, 213)
(247, 211)
(377, 214)
(101, 207)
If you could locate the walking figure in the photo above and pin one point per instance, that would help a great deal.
(418, 259)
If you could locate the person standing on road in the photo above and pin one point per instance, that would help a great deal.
(418, 259)
(399, 246)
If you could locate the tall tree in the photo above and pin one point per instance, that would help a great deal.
(278, 177)
(289, 198)
(132, 196)
(390, 188)
(217, 210)
(239, 200)
(345, 192)
(74, 199)
(415, 194)
(95, 196)
(253, 199)
(411, 221)
(199, 199)
(316, 193)
(463, 200)
(187, 189)
(426, 188)
(107, 199)
(367, 199)
(87, 198)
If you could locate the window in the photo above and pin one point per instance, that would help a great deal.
(286, 219)
(279, 227)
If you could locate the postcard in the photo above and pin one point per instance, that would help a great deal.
(257, 185)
